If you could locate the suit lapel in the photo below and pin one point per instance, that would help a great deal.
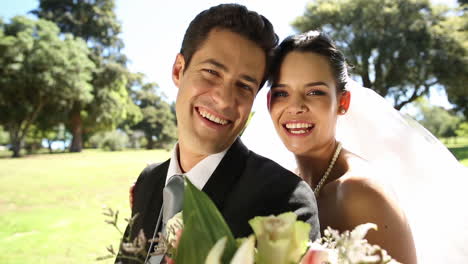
(153, 196)
(226, 174)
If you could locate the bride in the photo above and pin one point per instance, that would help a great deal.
(374, 147)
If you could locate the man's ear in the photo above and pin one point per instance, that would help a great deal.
(178, 69)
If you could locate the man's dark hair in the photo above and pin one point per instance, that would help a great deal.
(232, 17)
(316, 42)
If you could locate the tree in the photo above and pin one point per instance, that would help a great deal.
(112, 103)
(399, 48)
(4, 139)
(158, 122)
(95, 21)
(441, 122)
(39, 69)
(462, 130)
(458, 26)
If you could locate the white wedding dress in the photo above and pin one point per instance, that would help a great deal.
(429, 183)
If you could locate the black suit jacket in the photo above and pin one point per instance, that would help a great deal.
(244, 185)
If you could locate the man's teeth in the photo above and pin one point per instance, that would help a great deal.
(298, 125)
(212, 117)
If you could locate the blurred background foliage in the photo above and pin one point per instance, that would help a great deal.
(65, 84)
(63, 78)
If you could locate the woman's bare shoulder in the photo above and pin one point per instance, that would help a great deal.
(360, 191)
(362, 198)
(354, 189)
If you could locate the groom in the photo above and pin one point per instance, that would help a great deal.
(219, 70)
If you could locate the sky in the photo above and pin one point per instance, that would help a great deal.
(152, 31)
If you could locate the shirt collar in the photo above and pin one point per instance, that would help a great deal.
(201, 172)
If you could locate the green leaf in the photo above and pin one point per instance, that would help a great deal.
(203, 227)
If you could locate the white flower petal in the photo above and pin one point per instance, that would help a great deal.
(245, 253)
(216, 252)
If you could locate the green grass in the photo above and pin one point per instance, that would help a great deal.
(458, 147)
(51, 205)
(461, 153)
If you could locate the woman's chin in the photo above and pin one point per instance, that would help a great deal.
(296, 149)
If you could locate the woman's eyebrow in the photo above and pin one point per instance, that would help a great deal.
(278, 85)
(316, 84)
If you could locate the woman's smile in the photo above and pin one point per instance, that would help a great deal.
(298, 128)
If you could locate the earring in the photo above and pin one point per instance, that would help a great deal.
(342, 111)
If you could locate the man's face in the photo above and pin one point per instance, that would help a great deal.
(216, 91)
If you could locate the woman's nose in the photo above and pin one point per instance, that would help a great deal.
(297, 106)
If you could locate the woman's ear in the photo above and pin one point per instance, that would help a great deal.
(178, 69)
(345, 100)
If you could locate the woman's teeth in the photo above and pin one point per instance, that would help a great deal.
(298, 125)
(298, 128)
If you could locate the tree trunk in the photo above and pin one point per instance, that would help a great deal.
(366, 81)
(16, 147)
(49, 145)
(15, 144)
(76, 124)
(150, 144)
(15, 140)
(19, 129)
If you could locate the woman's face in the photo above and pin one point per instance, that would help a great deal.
(304, 104)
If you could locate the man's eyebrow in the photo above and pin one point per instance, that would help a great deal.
(224, 68)
(250, 79)
(216, 64)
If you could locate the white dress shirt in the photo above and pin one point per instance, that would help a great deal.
(200, 173)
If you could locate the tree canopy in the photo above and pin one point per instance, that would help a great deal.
(441, 122)
(158, 121)
(39, 68)
(95, 22)
(399, 48)
(65, 72)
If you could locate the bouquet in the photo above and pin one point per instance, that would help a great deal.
(199, 234)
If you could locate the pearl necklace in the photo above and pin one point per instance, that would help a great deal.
(327, 172)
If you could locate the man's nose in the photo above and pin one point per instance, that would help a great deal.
(224, 95)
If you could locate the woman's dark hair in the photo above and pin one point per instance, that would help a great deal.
(318, 43)
(232, 17)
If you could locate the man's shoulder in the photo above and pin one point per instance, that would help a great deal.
(153, 169)
(264, 165)
(283, 190)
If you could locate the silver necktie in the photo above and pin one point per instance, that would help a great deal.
(173, 197)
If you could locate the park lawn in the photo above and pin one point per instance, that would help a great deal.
(458, 147)
(51, 205)
(461, 153)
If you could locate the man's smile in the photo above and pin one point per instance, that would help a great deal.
(212, 117)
